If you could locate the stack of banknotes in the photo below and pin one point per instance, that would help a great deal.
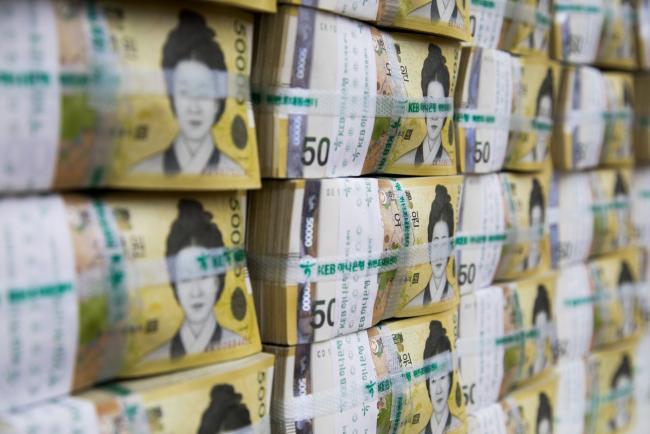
(451, 235)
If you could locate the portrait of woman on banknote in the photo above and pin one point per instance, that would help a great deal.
(445, 11)
(621, 198)
(439, 384)
(544, 420)
(435, 84)
(621, 390)
(536, 211)
(542, 319)
(192, 235)
(439, 233)
(225, 413)
(197, 86)
(543, 113)
(627, 299)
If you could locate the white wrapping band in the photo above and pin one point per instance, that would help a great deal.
(295, 269)
(487, 4)
(568, 6)
(477, 118)
(487, 344)
(527, 124)
(315, 102)
(605, 296)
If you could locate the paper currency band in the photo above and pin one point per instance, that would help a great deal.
(358, 393)
(528, 14)
(476, 118)
(624, 115)
(491, 343)
(126, 82)
(527, 124)
(297, 101)
(579, 117)
(604, 296)
(309, 269)
(487, 4)
(575, 7)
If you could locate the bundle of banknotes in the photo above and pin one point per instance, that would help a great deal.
(594, 216)
(226, 397)
(526, 27)
(346, 253)
(579, 132)
(382, 103)
(120, 285)
(108, 94)
(577, 29)
(618, 41)
(504, 110)
(396, 377)
(619, 120)
(507, 337)
(598, 303)
(601, 393)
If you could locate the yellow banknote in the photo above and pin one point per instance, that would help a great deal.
(155, 289)
(537, 83)
(526, 27)
(611, 208)
(618, 43)
(532, 409)
(619, 117)
(610, 389)
(615, 280)
(527, 250)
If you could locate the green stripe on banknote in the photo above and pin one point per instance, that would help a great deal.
(477, 118)
(489, 4)
(29, 78)
(585, 9)
(463, 240)
(18, 295)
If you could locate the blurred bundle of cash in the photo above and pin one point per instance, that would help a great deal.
(128, 285)
(107, 93)
(225, 397)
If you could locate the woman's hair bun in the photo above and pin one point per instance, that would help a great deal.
(192, 26)
(192, 211)
(435, 53)
(436, 328)
(442, 195)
